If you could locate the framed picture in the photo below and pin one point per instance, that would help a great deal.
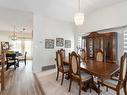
(60, 42)
(67, 43)
(49, 43)
(5, 45)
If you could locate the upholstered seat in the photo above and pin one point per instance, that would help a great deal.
(10, 61)
(115, 78)
(65, 67)
(85, 76)
(110, 82)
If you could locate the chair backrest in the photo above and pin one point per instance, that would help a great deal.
(62, 51)
(59, 60)
(74, 63)
(11, 56)
(25, 54)
(123, 67)
(83, 55)
(99, 55)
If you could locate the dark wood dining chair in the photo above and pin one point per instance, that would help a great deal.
(75, 72)
(117, 83)
(62, 51)
(64, 69)
(83, 55)
(99, 55)
(22, 58)
(11, 60)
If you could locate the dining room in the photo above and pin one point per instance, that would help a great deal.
(91, 33)
(97, 63)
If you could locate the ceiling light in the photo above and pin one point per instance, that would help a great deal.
(79, 17)
(14, 36)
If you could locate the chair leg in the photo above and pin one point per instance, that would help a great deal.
(90, 85)
(7, 66)
(25, 62)
(118, 92)
(62, 78)
(57, 75)
(79, 88)
(70, 85)
(14, 66)
(107, 89)
(124, 88)
(99, 87)
(17, 64)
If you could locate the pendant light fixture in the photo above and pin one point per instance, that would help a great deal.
(79, 16)
(14, 36)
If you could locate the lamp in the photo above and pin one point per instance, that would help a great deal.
(14, 36)
(79, 17)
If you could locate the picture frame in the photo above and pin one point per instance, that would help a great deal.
(67, 43)
(49, 43)
(60, 42)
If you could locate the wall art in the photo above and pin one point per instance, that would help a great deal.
(49, 43)
(67, 43)
(60, 42)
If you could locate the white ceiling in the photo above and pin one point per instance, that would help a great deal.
(57, 9)
(15, 20)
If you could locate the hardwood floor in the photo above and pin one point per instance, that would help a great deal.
(21, 81)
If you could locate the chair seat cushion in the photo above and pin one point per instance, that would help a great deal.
(115, 78)
(11, 61)
(109, 82)
(66, 68)
(20, 57)
(85, 76)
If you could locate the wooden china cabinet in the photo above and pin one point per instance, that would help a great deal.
(107, 42)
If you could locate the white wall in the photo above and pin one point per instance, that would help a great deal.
(4, 36)
(113, 16)
(47, 28)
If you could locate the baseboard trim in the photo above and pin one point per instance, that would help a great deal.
(49, 67)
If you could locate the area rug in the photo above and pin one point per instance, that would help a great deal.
(50, 86)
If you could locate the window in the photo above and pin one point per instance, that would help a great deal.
(23, 45)
(79, 42)
(28, 47)
(16, 45)
(125, 41)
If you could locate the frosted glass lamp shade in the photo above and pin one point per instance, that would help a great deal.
(79, 18)
(14, 37)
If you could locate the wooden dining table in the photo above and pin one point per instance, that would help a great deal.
(100, 69)
(103, 70)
